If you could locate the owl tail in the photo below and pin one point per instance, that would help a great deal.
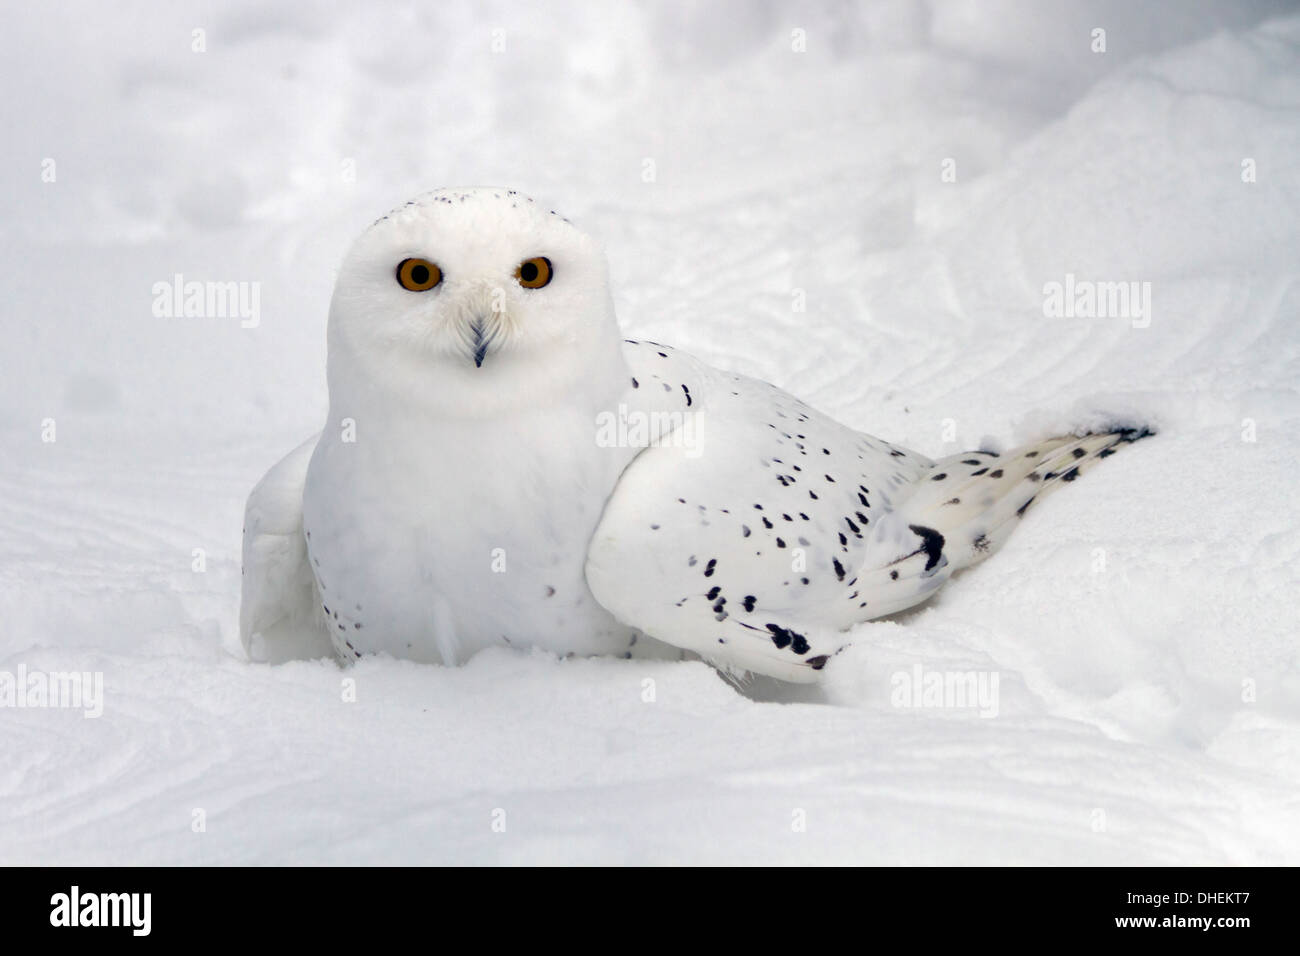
(974, 500)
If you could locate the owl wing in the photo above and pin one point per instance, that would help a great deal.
(752, 529)
(278, 616)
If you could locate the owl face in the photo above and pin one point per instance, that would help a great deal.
(462, 290)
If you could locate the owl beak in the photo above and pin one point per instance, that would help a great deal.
(479, 330)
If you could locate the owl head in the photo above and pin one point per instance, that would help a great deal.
(465, 301)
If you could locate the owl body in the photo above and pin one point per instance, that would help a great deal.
(501, 466)
(440, 554)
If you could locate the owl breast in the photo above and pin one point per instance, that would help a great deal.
(434, 546)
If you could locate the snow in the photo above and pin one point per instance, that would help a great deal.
(1141, 623)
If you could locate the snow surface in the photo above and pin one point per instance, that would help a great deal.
(1142, 622)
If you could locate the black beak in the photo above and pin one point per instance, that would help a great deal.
(480, 343)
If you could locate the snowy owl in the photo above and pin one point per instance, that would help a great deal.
(501, 466)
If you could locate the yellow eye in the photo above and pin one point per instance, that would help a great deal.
(418, 275)
(534, 273)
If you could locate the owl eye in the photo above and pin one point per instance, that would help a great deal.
(534, 273)
(418, 275)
